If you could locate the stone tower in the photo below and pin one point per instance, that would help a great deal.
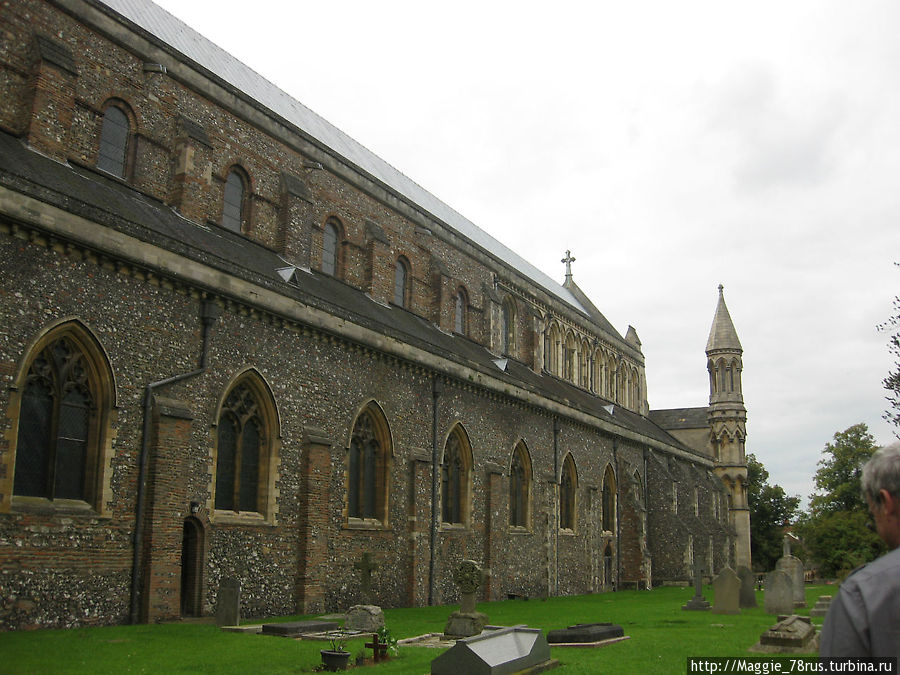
(728, 423)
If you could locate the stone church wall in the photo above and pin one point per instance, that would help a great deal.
(72, 565)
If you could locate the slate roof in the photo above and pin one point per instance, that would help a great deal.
(93, 195)
(681, 418)
(219, 63)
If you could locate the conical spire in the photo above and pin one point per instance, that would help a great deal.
(722, 335)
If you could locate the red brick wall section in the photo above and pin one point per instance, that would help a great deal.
(312, 554)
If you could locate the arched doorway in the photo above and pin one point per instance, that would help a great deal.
(608, 582)
(191, 567)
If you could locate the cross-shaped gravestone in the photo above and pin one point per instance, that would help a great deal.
(568, 260)
(698, 602)
(366, 567)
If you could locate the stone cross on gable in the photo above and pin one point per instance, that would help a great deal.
(366, 566)
(568, 260)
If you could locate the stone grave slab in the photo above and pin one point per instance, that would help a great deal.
(779, 597)
(791, 635)
(726, 592)
(748, 587)
(498, 652)
(821, 606)
(298, 628)
(228, 602)
(585, 633)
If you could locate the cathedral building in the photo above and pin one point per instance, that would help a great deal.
(237, 345)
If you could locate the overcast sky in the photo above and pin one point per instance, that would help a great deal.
(671, 146)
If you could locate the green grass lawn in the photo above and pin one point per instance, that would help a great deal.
(662, 636)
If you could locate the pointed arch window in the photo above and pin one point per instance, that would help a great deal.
(567, 487)
(244, 448)
(519, 488)
(61, 445)
(370, 450)
(330, 242)
(609, 500)
(401, 282)
(115, 135)
(234, 201)
(455, 479)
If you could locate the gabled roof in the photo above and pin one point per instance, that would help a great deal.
(681, 418)
(219, 63)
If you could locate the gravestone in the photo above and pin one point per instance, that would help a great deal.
(467, 621)
(726, 592)
(821, 607)
(497, 652)
(779, 597)
(793, 567)
(748, 586)
(228, 602)
(298, 628)
(364, 618)
(791, 635)
(698, 602)
(585, 633)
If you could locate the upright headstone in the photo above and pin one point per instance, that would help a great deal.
(793, 567)
(779, 597)
(698, 602)
(467, 621)
(748, 587)
(228, 602)
(726, 592)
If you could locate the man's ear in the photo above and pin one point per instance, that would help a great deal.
(889, 504)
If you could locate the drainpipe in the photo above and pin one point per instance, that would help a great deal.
(618, 513)
(558, 482)
(437, 388)
(209, 312)
(646, 522)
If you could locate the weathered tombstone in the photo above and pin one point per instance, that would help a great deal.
(793, 567)
(298, 628)
(726, 592)
(228, 602)
(779, 597)
(497, 652)
(364, 618)
(821, 607)
(748, 587)
(791, 635)
(584, 633)
(467, 621)
(698, 602)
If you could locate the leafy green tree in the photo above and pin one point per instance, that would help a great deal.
(770, 510)
(838, 476)
(834, 530)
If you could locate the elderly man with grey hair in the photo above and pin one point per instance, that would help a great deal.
(864, 619)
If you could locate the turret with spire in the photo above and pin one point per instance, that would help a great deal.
(727, 418)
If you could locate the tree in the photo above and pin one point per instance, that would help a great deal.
(770, 511)
(892, 381)
(834, 530)
(838, 476)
